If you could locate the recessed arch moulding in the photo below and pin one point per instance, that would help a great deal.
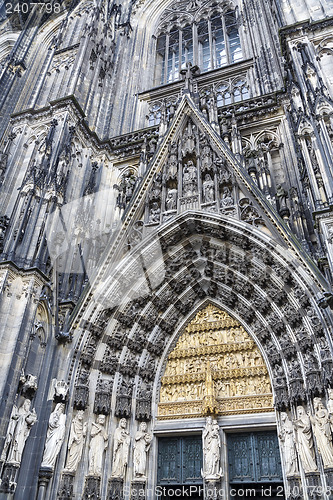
(130, 323)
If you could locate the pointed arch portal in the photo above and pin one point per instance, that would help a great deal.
(135, 324)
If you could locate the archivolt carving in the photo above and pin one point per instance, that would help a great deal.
(262, 287)
(240, 377)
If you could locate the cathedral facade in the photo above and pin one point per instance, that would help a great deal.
(166, 249)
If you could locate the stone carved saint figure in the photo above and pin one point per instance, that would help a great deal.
(120, 450)
(211, 450)
(189, 179)
(55, 436)
(76, 442)
(10, 432)
(208, 189)
(141, 447)
(304, 440)
(289, 445)
(98, 444)
(226, 199)
(322, 431)
(171, 200)
(18, 431)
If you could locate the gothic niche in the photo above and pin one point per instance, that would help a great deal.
(215, 367)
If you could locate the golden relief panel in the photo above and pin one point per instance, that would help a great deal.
(215, 368)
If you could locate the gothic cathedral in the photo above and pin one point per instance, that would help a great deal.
(166, 249)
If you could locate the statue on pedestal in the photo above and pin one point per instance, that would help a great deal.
(141, 447)
(211, 451)
(322, 431)
(120, 450)
(55, 436)
(98, 444)
(76, 441)
(289, 445)
(18, 431)
(304, 441)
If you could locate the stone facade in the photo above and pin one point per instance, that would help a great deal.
(160, 159)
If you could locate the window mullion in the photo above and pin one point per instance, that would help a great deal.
(196, 61)
(166, 65)
(210, 44)
(180, 50)
(226, 40)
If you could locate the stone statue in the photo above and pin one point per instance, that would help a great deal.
(120, 450)
(98, 444)
(55, 436)
(141, 447)
(76, 441)
(154, 214)
(226, 199)
(211, 450)
(10, 432)
(208, 189)
(322, 431)
(18, 431)
(171, 200)
(304, 440)
(289, 445)
(189, 179)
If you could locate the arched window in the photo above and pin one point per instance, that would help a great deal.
(210, 42)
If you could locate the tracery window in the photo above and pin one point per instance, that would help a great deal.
(210, 42)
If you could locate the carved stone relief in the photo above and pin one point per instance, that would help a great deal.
(240, 377)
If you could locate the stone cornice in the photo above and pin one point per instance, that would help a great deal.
(297, 29)
(10, 266)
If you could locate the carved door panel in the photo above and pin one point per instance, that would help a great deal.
(241, 458)
(169, 470)
(254, 457)
(191, 460)
(268, 462)
(179, 460)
